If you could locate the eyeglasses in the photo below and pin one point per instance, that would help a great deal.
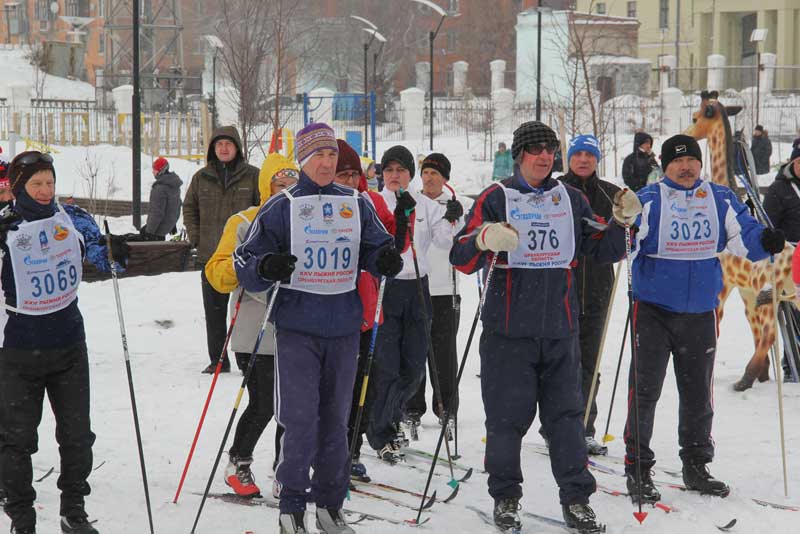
(34, 157)
(348, 175)
(538, 148)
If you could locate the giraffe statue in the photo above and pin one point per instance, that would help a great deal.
(711, 123)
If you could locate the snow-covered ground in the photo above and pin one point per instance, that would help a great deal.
(171, 391)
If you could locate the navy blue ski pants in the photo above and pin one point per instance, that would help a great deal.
(400, 355)
(517, 374)
(314, 379)
(692, 340)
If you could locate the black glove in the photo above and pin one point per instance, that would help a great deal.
(389, 262)
(120, 250)
(405, 203)
(773, 240)
(277, 267)
(454, 211)
(750, 206)
(9, 220)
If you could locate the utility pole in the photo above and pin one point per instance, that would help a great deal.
(136, 130)
(677, 42)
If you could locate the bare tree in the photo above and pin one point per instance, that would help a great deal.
(38, 55)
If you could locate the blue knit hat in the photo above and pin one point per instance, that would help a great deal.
(588, 143)
(795, 152)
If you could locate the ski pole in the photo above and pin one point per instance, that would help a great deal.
(437, 392)
(606, 436)
(208, 397)
(247, 373)
(367, 368)
(458, 381)
(124, 336)
(779, 378)
(456, 313)
(596, 374)
(640, 516)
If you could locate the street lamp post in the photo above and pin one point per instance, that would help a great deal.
(374, 34)
(539, 61)
(431, 36)
(758, 36)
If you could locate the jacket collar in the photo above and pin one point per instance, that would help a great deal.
(519, 183)
(675, 185)
(310, 185)
(576, 181)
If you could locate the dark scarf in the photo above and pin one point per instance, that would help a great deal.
(30, 210)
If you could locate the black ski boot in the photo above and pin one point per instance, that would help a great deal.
(23, 530)
(2, 497)
(390, 454)
(77, 525)
(696, 477)
(581, 518)
(506, 515)
(413, 423)
(450, 427)
(400, 440)
(292, 523)
(650, 494)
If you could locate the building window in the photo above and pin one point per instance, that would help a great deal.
(601, 8)
(663, 14)
(42, 10)
(452, 6)
(451, 41)
(77, 8)
(632, 9)
(17, 19)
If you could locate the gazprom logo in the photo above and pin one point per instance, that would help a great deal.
(315, 231)
(517, 216)
(31, 261)
(678, 209)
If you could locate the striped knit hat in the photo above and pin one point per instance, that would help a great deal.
(315, 136)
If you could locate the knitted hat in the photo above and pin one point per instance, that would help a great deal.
(316, 136)
(348, 158)
(160, 165)
(587, 143)
(759, 128)
(25, 165)
(401, 155)
(437, 162)
(530, 133)
(795, 152)
(679, 146)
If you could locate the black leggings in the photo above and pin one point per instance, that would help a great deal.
(260, 407)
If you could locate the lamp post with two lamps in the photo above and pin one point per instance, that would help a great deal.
(374, 34)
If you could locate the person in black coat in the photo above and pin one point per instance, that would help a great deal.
(640, 163)
(594, 281)
(782, 201)
(761, 147)
(165, 203)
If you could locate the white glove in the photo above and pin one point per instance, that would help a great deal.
(626, 207)
(497, 237)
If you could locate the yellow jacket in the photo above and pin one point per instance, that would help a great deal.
(219, 268)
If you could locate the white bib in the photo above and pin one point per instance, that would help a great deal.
(46, 259)
(689, 226)
(326, 236)
(546, 228)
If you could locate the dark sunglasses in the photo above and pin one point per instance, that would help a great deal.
(34, 157)
(538, 148)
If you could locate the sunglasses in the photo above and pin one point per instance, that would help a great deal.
(289, 174)
(538, 148)
(35, 157)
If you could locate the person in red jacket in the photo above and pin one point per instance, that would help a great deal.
(350, 174)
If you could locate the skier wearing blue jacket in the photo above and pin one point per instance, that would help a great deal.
(684, 224)
(537, 227)
(332, 232)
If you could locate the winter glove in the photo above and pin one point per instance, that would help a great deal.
(773, 240)
(277, 267)
(626, 207)
(454, 211)
(497, 237)
(120, 250)
(9, 220)
(389, 262)
(405, 204)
